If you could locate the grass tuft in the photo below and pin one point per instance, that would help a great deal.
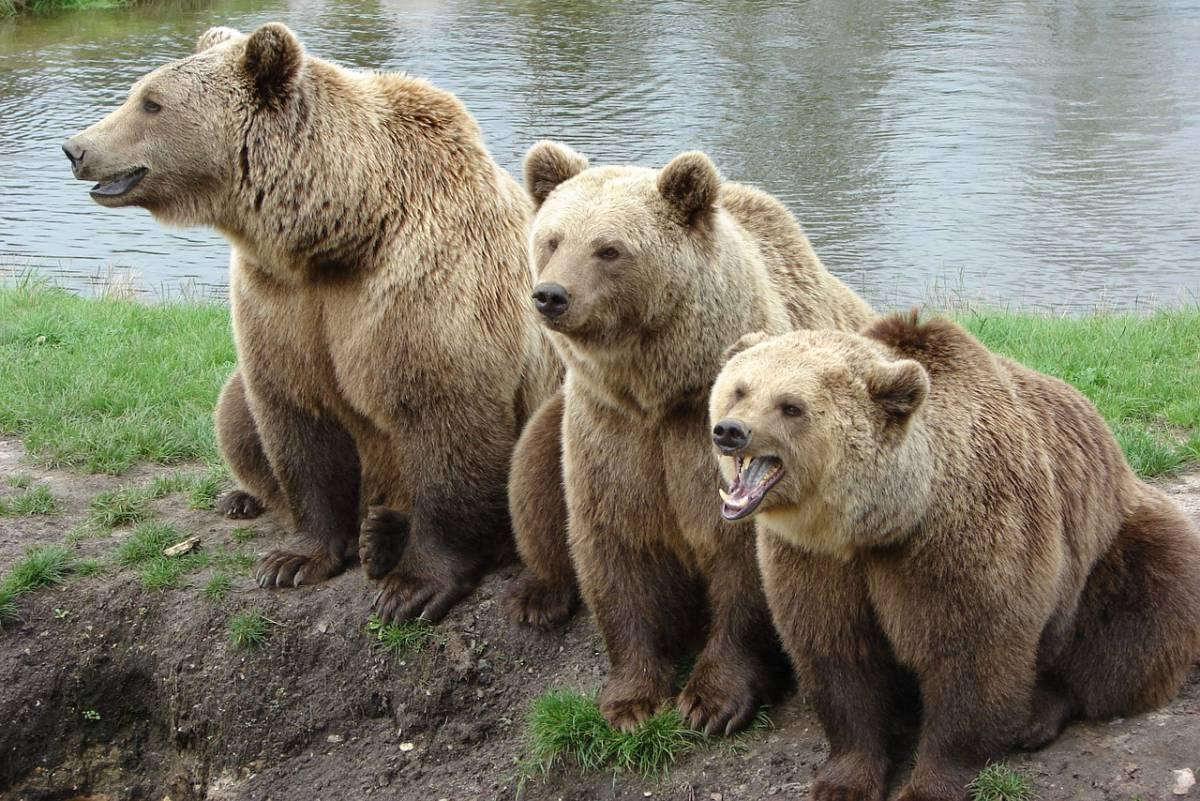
(34, 501)
(146, 544)
(403, 638)
(120, 507)
(998, 782)
(243, 534)
(39, 566)
(205, 489)
(217, 588)
(248, 629)
(567, 725)
(20, 481)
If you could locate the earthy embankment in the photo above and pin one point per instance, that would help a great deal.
(128, 675)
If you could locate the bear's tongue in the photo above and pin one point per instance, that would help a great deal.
(754, 479)
(120, 184)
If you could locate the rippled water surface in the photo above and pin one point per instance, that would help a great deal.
(1041, 154)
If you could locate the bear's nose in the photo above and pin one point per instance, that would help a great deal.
(74, 152)
(731, 435)
(551, 300)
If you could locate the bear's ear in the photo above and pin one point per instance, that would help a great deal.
(548, 164)
(747, 341)
(690, 183)
(273, 60)
(898, 387)
(214, 36)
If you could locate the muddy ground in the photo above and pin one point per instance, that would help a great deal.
(112, 691)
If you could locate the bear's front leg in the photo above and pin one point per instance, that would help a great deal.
(742, 665)
(433, 557)
(977, 674)
(545, 593)
(647, 605)
(316, 464)
(822, 611)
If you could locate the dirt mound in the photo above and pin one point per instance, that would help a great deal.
(115, 691)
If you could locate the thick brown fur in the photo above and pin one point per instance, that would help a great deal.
(664, 269)
(379, 289)
(948, 512)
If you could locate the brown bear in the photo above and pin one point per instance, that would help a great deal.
(644, 278)
(379, 291)
(927, 510)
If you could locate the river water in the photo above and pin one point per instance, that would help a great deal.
(1035, 154)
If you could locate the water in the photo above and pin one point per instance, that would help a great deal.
(1045, 155)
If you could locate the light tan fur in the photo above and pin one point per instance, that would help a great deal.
(664, 270)
(387, 357)
(950, 514)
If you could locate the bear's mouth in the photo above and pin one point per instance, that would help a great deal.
(119, 184)
(753, 481)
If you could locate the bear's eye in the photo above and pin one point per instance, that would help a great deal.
(791, 410)
(150, 107)
(608, 254)
(739, 393)
(551, 245)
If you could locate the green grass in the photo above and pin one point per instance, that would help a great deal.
(143, 550)
(244, 534)
(402, 638)
(9, 8)
(33, 501)
(249, 629)
(998, 782)
(100, 384)
(20, 481)
(1143, 373)
(120, 507)
(39, 566)
(567, 725)
(217, 588)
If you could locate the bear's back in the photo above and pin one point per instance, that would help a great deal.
(813, 297)
(1008, 437)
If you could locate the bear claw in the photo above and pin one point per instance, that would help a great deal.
(532, 601)
(282, 568)
(382, 539)
(240, 505)
(404, 597)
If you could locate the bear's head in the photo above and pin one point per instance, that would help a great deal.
(818, 433)
(176, 145)
(614, 249)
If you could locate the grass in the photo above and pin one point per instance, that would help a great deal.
(403, 638)
(244, 534)
(1143, 373)
(567, 725)
(143, 550)
(249, 629)
(100, 384)
(39, 566)
(998, 782)
(33, 501)
(218, 587)
(10, 8)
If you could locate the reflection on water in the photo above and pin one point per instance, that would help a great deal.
(1041, 154)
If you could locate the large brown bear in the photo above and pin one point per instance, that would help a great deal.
(387, 356)
(929, 510)
(645, 277)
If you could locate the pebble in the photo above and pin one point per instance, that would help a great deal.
(407, 746)
(1185, 780)
(335, 738)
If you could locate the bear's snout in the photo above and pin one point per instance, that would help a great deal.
(731, 435)
(551, 300)
(75, 153)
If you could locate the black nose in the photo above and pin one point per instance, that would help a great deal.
(551, 300)
(74, 152)
(731, 435)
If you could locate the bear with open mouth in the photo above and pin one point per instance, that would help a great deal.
(928, 511)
